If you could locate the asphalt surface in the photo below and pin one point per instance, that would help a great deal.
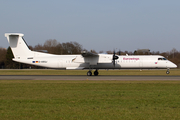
(79, 77)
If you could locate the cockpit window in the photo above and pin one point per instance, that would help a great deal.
(162, 59)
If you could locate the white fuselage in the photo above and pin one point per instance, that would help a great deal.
(103, 61)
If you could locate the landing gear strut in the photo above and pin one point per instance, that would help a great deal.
(167, 72)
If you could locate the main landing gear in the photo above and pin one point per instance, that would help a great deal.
(89, 73)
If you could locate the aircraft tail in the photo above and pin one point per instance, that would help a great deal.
(18, 46)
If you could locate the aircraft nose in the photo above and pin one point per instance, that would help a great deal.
(175, 66)
(172, 65)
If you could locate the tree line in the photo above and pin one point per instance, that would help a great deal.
(54, 47)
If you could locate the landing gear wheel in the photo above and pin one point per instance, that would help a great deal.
(89, 73)
(96, 73)
(167, 72)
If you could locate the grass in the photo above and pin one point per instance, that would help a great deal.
(108, 100)
(84, 72)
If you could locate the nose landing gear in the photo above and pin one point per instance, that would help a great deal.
(167, 72)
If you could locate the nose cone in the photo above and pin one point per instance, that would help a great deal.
(172, 65)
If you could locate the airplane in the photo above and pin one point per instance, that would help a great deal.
(85, 60)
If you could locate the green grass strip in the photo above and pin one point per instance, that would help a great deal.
(89, 100)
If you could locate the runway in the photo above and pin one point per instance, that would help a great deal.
(79, 77)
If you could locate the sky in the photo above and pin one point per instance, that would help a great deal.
(99, 25)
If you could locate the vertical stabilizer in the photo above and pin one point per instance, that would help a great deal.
(18, 46)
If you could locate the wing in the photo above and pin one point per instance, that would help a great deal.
(92, 58)
(88, 54)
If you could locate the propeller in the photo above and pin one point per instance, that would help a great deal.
(114, 58)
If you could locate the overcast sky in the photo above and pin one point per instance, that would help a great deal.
(95, 24)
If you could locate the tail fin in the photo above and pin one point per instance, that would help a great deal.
(18, 46)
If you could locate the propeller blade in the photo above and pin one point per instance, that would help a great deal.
(114, 58)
